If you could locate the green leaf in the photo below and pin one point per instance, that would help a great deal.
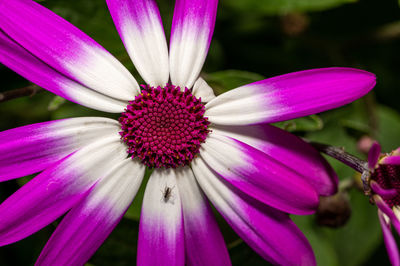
(361, 236)
(278, 7)
(350, 245)
(353, 243)
(242, 254)
(120, 247)
(70, 109)
(336, 135)
(388, 128)
(323, 248)
(308, 123)
(226, 80)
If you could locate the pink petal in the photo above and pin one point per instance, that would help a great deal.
(258, 175)
(289, 150)
(65, 48)
(192, 29)
(290, 96)
(384, 193)
(384, 207)
(56, 190)
(395, 160)
(30, 149)
(140, 27)
(389, 240)
(203, 240)
(161, 235)
(268, 231)
(30, 67)
(88, 224)
(373, 155)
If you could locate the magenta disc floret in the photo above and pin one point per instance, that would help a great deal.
(164, 126)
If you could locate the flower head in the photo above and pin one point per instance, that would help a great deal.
(201, 147)
(384, 181)
(164, 127)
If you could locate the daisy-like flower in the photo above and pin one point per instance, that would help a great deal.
(383, 179)
(199, 145)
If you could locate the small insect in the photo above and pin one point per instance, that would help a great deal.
(167, 193)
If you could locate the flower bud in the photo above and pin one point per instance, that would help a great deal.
(334, 211)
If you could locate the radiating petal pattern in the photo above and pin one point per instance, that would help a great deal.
(203, 240)
(269, 232)
(30, 67)
(259, 175)
(65, 48)
(389, 240)
(192, 29)
(161, 235)
(57, 189)
(140, 27)
(88, 224)
(202, 90)
(289, 150)
(30, 149)
(290, 96)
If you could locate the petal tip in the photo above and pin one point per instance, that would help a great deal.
(373, 155)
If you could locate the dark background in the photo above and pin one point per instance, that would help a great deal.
(255, 39)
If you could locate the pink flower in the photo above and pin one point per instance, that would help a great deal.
(384, 180)
(201, 146)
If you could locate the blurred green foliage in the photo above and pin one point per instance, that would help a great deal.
(281, 7)
(255, 39)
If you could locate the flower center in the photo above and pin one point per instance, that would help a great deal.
(388, 177)
(164, 127)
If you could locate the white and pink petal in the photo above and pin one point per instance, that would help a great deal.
(202, 90)
(57, 189)
(388, 211)
(88, 224)
(289, 150)
(161, 233)
(140, 27)
(290, 96)
(390, 242)
(30, 149)
(35, 70)
(66, 48)
(268, 231)
(203, 240)
(192, 29)
(259, 175)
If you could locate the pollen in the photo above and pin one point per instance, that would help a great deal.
(164, 126)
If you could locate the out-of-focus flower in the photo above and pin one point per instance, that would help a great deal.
(201, 146)
(334, 211)
(384, 181)
(364, 144)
